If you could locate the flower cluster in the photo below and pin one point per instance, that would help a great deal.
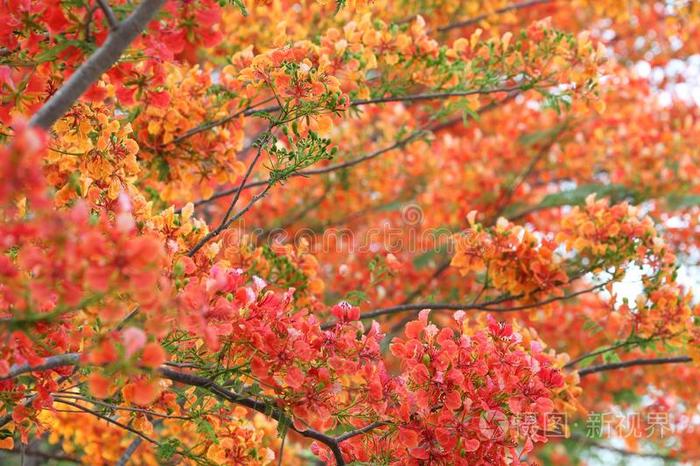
(313, 372)
(615, 233)
(513, 258)
(460, 391)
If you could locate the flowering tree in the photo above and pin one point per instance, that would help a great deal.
(393, 233)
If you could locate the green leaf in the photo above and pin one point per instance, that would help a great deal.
(167, 449)
(534, 137)
(611, 357)
(391, 206)
(163, 169)
(237, 3)
(468, 111)
(578, 195)
(589, 360)
(592, 327)
(206, 429)
(679, 201)
(356, 297)
(423, 260)
(51, 53)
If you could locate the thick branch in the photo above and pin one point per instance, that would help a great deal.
(99, 62)
(130, 450)
(52, 362)
(632, 363)
(44, 455)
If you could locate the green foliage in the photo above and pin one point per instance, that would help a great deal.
(303, 153)
(679, 201)
(578, 195)
(356, 297)
(167, 449)
(240, 4)
(283, 272)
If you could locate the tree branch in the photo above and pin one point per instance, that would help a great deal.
(109, 14)
(621, 451)
(231, 206)
(52, 362)
(112, 407)
(72, 359)
(99, 62)
(356, 103)
(613, 347)
(432, 96)
(478, 19)
(483, 306)
(316, 171)
(276, 414)
(361, 431)
(632, 363)
(223, 226)
(44, 455)
(351, 163)
(248, 111)
(106, 419)
(130, 450)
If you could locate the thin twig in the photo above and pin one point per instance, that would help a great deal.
(351, 163)
(632, 363)
(361, 431)
(214, 233)
(478, 19)
(432, 96)
(248, 111)
(343, 165)
(623, 344)
(317, 171)
(88, 23)
(109, 14)
(114, 407)
(484, 306)
(231, 206)
(107, 419)
(622, 451)
(356, 103)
